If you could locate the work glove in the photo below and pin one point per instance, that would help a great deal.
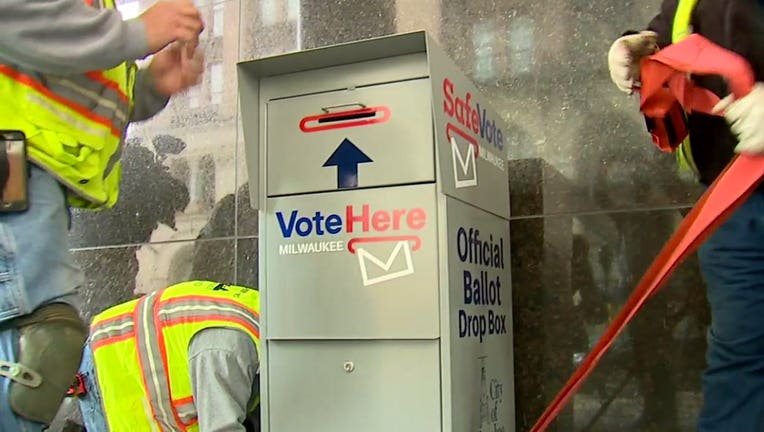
(746, 119)
(624, 57)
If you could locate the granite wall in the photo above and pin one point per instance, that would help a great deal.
(592, 199)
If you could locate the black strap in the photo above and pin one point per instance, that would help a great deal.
(4, 167)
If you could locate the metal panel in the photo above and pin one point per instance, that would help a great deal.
(346, 76)
(257, 86)
(353, 386)
(378, 48)
(354, 264)
(480, 320)
(373, 136)
(249, 99)
(471, 138)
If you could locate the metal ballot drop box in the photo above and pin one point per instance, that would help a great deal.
(380, 177)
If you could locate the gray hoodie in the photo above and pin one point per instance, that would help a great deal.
(68, 37)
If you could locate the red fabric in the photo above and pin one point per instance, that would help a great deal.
(670, 66)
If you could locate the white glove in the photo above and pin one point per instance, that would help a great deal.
(746, 119)
(624, 56)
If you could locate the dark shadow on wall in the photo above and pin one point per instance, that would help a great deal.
(656, 351)
(206, 254)
(149, 196)
(571, 273)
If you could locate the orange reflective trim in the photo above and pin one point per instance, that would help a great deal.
(183, 406)
(100, 78)
(159, 328)
(136, 318)
(113, 340)
(183, 401)
(107, 321)
(204, 298)
(213, 317)
(40, 88)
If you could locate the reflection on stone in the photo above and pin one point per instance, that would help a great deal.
(571, 275)
(247, 262)
(109, 278)
(149, 196)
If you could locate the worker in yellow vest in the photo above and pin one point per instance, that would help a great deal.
(184, 358)
(732, 259)
(69, 87)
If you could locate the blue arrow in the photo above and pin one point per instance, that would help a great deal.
(346, 158)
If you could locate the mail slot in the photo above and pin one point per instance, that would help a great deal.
(369, 386)
(370, 259)
(374, 136)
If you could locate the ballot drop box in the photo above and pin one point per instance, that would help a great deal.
(380, 178)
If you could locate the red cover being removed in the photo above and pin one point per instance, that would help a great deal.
(671, 67)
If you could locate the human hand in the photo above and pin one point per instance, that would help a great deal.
(169, 21)
(624, 57)
(746, 119)
(173, 70)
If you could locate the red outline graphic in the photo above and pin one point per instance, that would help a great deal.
(417, 241)
(340, 125)
(450, 127)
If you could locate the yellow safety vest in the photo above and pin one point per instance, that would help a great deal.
(681, 28)
(74, 124)
(140, 350)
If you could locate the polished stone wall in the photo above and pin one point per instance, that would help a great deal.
(592, 199)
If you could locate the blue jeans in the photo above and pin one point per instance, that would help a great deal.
(36, 268)
(732, 264)
(90, 403)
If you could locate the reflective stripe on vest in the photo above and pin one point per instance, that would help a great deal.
(141, 351)
(680, 29)
(91, 95)
(74, 124)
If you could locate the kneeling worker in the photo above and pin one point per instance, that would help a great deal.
(184, 358)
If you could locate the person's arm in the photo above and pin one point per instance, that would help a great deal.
(67, 36)
(147, 100)
(739, 26)
(663, 23)
(223, 364)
